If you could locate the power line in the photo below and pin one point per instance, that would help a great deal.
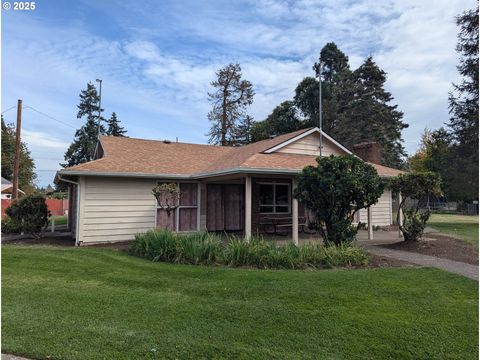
(10, 108)
(50, 117)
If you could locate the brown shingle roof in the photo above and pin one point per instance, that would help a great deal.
(150, 157)
(128, 155)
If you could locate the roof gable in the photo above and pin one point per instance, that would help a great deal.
(308, 143)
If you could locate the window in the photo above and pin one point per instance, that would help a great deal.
(274, 198)
(184, 217)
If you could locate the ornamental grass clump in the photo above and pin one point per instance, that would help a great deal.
(202, 248)
(164, 245)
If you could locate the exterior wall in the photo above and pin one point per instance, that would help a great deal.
(309, 146)
(72, 210)
(115, 209)
(381, 211)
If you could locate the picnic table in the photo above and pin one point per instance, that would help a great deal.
(279, 223)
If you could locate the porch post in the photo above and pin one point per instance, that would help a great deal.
(248, 207)
(400, 217)
(370, 225)
(294, 215)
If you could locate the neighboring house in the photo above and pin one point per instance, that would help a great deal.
(7, 188)
(223, 188)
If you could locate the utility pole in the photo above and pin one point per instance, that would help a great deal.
(318, 68)
(99, 107)
(16, 162)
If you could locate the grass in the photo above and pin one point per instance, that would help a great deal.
(87, 303)
(202, 248)
(463, 227)
(59, 220)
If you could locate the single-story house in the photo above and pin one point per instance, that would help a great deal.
(7, 188)
(237, 189)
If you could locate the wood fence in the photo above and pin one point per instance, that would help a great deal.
(57, 207)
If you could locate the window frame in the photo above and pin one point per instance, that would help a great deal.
(177, 209)
(274, 205)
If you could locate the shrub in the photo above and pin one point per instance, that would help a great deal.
(414, 224)
(207, 249)
(8, 227)
(420, 187)
(335, 190)
(29, 215)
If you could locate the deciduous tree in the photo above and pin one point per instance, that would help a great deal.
(26, 176)
(283, 119)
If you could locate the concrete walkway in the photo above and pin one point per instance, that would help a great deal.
(456, 267)
(12, 357)
(390, 237)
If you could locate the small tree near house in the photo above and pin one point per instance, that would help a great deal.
(418, 188)
(334, 191)
(167, 195)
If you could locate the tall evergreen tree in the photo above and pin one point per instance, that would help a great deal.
(355, 107)
(26, 175)
(244, 130)
(370, 117)
(113, 126)
(336, 90)
(464, 106)
(83, 146)
(230, 98)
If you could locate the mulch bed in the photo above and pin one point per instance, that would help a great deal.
(440, 246)
(46, 240)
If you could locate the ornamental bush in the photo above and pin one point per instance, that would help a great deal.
(418, 188)
(334, 191)
(29, 215)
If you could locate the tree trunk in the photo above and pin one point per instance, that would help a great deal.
(224, 119)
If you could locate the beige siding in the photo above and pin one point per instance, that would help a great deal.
(309, 146)
(115, 209)
(381, 211)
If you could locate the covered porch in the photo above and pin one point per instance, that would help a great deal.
(244, 205)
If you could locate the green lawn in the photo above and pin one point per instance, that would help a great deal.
(86, 303)
(59, 220)
(462, 226)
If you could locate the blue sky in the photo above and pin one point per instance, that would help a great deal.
(157, 59)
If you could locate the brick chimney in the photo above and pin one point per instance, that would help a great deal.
(368, 151)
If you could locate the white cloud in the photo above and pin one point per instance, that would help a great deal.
(158, 63)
